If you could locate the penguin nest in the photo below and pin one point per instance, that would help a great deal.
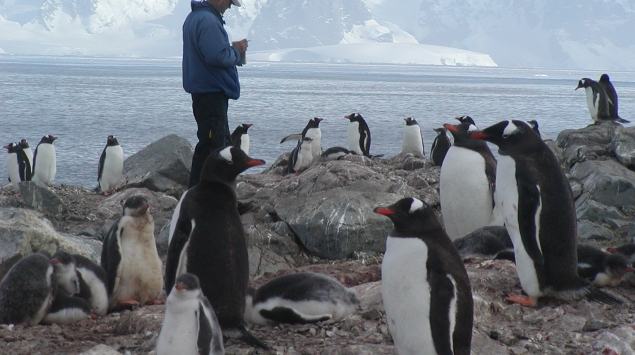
(132, 323)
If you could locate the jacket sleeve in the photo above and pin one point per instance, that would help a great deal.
(215, 46)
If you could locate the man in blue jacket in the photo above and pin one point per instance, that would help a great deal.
(210, 75)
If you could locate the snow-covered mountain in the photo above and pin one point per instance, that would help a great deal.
(591, 34)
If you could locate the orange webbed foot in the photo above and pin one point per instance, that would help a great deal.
(523, 300)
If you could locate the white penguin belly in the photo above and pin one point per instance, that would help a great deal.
(45, 164)
(244, 143)
(14, 170)
(593, 110)
(65, 316)
(406, 294)
(466, 198)
(179, 333)
(412, 142)
(316, 144)
(352, 137)
(305, 157)
(99, 295)
(175, 217)
(113, 168)
(507, 198)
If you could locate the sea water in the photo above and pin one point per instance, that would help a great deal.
(82, 101)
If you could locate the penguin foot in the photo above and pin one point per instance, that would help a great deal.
(154, 302)
(126, 305)
(92, 316)
(523, 300)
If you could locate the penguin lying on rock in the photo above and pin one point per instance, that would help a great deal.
(486, 242)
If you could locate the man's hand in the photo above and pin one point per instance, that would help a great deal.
(241, 45)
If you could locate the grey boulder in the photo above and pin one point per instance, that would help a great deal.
(43, 199)
(623, 145)
(608, 181)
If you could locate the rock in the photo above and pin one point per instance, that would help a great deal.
(557, 152)
(280, 166)
(40, 197)
(623, 145)
(101, 349)
(22, 232)
(162, 166)
(591, 230)
(595, 211)
(482, 344)
(589, 143)
(268, 250)
(608, 181)
(592, 325)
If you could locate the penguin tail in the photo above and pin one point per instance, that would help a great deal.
(245, 336)
(621, 120)
(596, 295)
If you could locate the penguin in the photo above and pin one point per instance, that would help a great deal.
(440, 146)
(110, 166)
(358, 134)
(240, 137)
(27, 290)
(311, 130)
(425, 287)
(601, 268)
(627, 250)
(303, 297)
(45, 161)
(301, 156)
(67, 309)
(536, 203)
(24, 144)
(597, 101)
(336, 153)
(611, 94)
(66, 272)
(486, 242)
(17, 165)
(466, 183)
(412, 139)
(129, 256)
(208, 240)
(534, 125)
(92, 281)
(190, 326)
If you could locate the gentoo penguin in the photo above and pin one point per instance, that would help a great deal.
(627, 250)
(467, 120)
(611, 94)
(92, 281)
(303, 297)
(536, 203)
(412, 139)
(207, 239)
(486, 242)
(110, 166)
(66, 272)
(311, 130)
(301, 156)
(17, 165)
(24, 144)
(189, 326)
(601, 268)
(336, 153)
(598, 101)
(67, 309)
(466, 182)
(440, 146)
(240, 137)
(45, 161)
(27, 290)
(358, 134)
(129, 256)
(534, 125)
(425, 288)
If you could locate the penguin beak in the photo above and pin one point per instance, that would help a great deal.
(579, 86)
(179, 287)
(53, 138)
(611, 250)
(144, 207)
(6, 147)
(255, 162)
(478, 135)
(55, 262)
(348, 117)
(249, 125)
(384, 211)
(629, 269)
(319, 119)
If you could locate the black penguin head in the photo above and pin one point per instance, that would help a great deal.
(533, 124)
(605, 78)
(242, 129)
(314, 122)
(48, 139)
(461, 132)
(627, 249)
(12, 147)
(465, 119)
(24, 144)
(617, 265)
(584, 83)
(354, 117)
(410, 216)
(224, 164)
(410, 121)
(440, 131)
(65, 272)
(510, 136)
(111, 141)
(136, 206)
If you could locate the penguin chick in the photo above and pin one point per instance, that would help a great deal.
(484, 242)
(66, 272)
(303, 297)
(67, 309)
(189, 326)
(336, 153)
(601, 268)
(92, 281)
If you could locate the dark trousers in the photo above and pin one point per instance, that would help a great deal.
(210, 112)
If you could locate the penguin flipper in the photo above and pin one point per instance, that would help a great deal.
(178, 241)
(293, 137)
(291, 316)
(111, 255)
(249, 339)
(528, 204)
(210, 335)
(100, 168)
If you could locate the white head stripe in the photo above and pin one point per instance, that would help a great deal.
(510, 129)
(472, 128)
(416, 204)
(227, 154)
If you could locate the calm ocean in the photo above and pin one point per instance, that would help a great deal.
(82, 101)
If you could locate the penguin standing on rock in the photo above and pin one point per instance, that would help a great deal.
(598, 101)
(358, 134)
(536, 203)
(110, 166)
(303, 297)
(17, 165)
(45, 161)
(240, 137)
(534, 125)
(425, 288)
(207, 239)
(301, 156)
(311, 130)
(92, 284)
(129, 256)
(27, 290)
(611, 94)
(412, 139)
(440, 146)
(24, 144)
(190, 326)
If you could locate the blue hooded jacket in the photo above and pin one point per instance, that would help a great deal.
(209, 60)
